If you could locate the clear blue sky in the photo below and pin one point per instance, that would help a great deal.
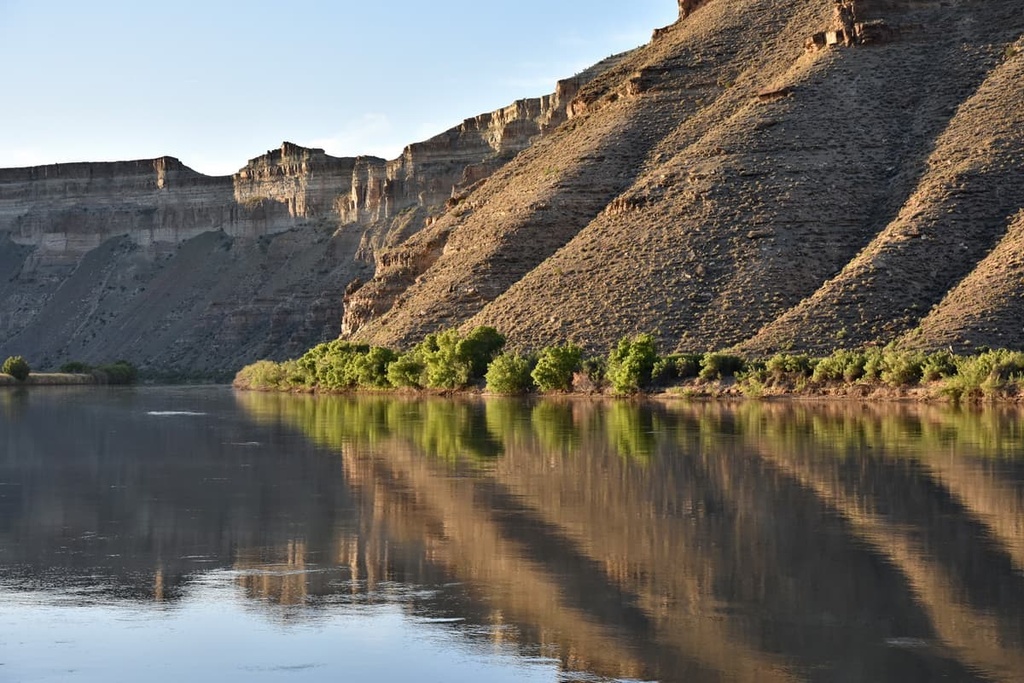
(215, 83)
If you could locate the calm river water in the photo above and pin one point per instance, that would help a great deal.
(196, 534)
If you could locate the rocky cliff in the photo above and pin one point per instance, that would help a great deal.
(747, 179)
(184, 273)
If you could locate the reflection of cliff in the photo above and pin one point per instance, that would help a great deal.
(146, 500)
(710, 542)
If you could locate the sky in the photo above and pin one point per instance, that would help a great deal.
(215, 83)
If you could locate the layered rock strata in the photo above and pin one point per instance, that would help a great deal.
(180, 272)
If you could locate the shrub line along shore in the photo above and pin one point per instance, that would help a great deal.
(449, 362)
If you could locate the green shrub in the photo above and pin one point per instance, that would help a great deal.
(479, 348)
(631, 363)
(842, 366)
(75, 367)
(371, 368)
(266, 375)
(987, 375)
(902, 368)
(332, 365)
(938, 365)
(783, 364)
(17, 367)
(408, 370)
(119, 372)
(716, 365)
(446, 368)
(509, 373)
(556, 367)
(674, 367)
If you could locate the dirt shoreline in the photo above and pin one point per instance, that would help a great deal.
(49, 379)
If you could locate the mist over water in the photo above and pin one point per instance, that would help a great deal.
(199, 534)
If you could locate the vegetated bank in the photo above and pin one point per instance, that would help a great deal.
(17, 372)
(448, 361)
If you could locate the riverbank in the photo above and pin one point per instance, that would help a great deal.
(447, 363)
(49, 379)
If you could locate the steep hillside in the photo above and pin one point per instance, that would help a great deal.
(724, 186)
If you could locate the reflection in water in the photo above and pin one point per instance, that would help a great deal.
(705, 542)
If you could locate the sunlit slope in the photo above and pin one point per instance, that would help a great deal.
(678, 200)
(961, 210)
(987, 307)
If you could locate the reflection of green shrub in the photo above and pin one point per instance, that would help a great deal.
(509, 373)
(17, 367)
(716, 365)
(556, 367)
(631, 363)
(632, 430)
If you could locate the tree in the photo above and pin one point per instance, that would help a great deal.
(17, 367)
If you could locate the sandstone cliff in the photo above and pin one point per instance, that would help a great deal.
(723, 186)
(180, 272)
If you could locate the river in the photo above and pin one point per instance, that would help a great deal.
(198, 534)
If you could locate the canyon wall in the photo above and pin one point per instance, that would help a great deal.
(183, 273)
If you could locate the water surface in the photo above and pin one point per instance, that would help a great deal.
(196, 534)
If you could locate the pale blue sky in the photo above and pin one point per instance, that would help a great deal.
(215, 83)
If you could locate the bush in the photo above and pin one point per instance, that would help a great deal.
(17, 367)
(674, 367)
(371, 369)
(479, 348)
(119, 372)
(902, 368)
(720, 365)
(938, 366)
(783, 364)
(266, 375)
(841, 366)
(509, 374)
(989, 374)
(631, 363)
(75, 368)
(556, 367)
(408, 370)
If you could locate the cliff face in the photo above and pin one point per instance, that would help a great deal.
(180, 272)
(726, 186)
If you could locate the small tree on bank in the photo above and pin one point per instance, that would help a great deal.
(17, 367)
